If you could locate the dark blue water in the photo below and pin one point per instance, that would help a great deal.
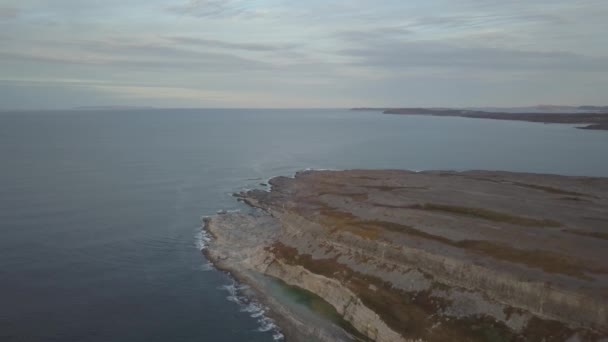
(99, 211)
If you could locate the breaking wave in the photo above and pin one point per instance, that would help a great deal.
(201, 240)
(253, 308)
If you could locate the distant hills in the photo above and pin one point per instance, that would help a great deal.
(530, 109)
(112, 108)
(594, 117)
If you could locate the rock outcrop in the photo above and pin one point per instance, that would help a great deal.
(433, 256)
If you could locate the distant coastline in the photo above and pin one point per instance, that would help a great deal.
(593, 117)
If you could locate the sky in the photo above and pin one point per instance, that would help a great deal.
(286, 53)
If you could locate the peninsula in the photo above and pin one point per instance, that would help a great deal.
(594, 118)
(427, 256)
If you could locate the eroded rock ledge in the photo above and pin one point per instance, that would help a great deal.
(433, 256)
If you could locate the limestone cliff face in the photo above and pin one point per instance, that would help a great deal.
(345, 301)
(539, 298)
(253, 255)
(434, 256)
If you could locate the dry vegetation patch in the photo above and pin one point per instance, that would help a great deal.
(597, 235)
(551, 262)
(487, 214)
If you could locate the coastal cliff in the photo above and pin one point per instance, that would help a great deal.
(433, 256)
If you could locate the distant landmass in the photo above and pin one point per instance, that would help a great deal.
(594, 117)
(112, 108)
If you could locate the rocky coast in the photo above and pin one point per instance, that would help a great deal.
(426, 256)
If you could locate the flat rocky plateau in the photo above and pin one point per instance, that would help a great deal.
(429, 256)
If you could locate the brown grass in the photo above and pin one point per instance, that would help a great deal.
(597, 235)
(358, 197)
(391, 187)
(548, 330)
(551, 262)
(487, 214)
(546, 260)
(549, 189)
(337, 221)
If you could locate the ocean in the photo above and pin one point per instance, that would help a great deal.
(100, 211)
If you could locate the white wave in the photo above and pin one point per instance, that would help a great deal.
(255, 309)
(319, 169)
(201, 240)
(278, 336)
(230, 211)
(251, 308)
(268, 186)
(267, 325)
(207, 267)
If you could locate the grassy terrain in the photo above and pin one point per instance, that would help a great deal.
(597, 235)
(548, 189)
(551, 262)
(487, 214)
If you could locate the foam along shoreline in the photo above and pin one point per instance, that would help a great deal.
(430, 255)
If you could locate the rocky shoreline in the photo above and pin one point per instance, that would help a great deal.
(433, 256)
(250, 271)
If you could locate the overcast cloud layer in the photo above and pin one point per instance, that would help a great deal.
(283, 53)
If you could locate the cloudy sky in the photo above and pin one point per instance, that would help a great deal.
(315, 53)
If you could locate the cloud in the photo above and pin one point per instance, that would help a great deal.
(213, 9)
(136, 56)
(7, 13)
(472, 21)
(314, 50)
(441, 54)
(372, 34)
(213, 43)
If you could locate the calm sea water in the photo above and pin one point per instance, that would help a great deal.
(100, 211)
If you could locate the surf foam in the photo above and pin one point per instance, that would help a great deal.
(255, 309)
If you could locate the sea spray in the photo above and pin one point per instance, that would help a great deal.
(201, 241)
(255, 309)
